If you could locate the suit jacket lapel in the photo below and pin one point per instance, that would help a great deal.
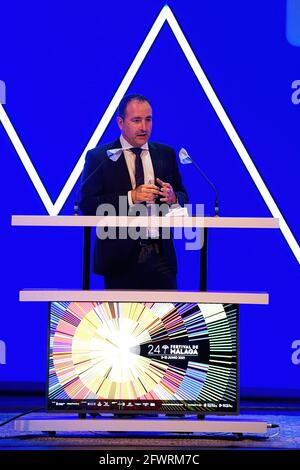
(116, 144)
(156, 160)
(119, 168)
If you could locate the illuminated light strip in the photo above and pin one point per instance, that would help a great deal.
(106, 118)
(24, 157)
(164, 15)
(233, 135)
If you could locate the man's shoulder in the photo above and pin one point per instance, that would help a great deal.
(159, 147)
(102, 149)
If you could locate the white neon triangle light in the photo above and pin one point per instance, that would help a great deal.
(165, 15)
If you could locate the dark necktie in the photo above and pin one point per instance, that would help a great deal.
(139, 171)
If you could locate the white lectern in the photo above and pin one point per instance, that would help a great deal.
(52, 422)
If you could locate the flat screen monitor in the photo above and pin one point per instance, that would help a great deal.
(141, 358)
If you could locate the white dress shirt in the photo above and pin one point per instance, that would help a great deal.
(148, 175)
(130, 162)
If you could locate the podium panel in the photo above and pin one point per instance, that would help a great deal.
(83, 339)
(163, 352)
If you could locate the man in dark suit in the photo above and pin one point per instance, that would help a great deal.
(141, 173)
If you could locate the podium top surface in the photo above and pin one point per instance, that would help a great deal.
(122, 221)
(56, 295)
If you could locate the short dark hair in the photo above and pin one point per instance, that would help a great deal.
(126, 99)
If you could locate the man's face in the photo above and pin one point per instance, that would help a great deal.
(137, 125)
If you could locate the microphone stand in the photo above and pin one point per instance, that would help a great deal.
(216, 205)
(203, 255)
(86, 262)
(204, 249)
(87, 232)
(203, 262)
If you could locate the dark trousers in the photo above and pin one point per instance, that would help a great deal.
(148, 270)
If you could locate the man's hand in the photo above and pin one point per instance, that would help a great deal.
(145, 193)
(167, 192)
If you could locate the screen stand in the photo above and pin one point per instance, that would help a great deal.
(201, 417)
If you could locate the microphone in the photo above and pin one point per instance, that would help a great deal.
(185, 159)
(84, 181)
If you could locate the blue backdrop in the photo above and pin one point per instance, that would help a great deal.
(62, 63)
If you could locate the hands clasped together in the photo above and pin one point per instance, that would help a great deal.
(150, 192)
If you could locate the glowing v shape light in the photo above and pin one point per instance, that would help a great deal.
(165, 15)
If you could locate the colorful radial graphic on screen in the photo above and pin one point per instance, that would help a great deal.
(138, 351)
